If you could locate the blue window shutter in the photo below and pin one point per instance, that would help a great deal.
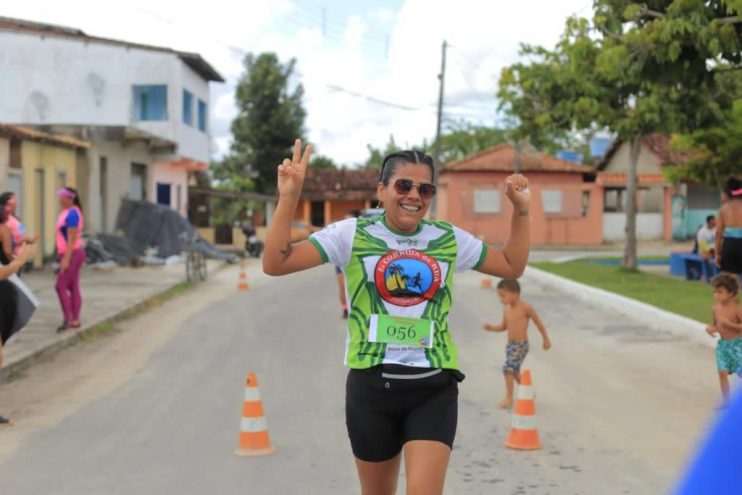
(202, 114)
(187, 107)
(150, 102)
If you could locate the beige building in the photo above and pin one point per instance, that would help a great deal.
(34, 165)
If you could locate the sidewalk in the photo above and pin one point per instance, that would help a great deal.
(106, 294)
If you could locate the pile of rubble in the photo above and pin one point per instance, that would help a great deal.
(149, 234)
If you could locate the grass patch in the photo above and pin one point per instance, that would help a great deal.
(659, 258)
(691, 299)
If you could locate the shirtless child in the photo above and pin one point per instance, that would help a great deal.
(727, 315)
(515, 319)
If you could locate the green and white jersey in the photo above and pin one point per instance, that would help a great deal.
(393, 278)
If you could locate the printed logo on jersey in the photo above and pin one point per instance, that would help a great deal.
(407, 278)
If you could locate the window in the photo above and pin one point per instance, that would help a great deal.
(486, 201)
(202, 115)
(187, 107)
(552, 200)
(150, 102)
(614, 200)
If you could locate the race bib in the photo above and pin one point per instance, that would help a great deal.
(399, 330)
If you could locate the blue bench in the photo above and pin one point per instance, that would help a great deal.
(691, 266)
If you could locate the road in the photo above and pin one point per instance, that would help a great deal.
(154, 408)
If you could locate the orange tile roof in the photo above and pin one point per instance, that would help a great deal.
(501, 158)
(34, 135)
(621, 179)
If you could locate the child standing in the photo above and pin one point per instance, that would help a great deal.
(515, 318)
(727, 317)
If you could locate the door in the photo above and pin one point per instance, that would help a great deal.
(138, 182)
(163, 193)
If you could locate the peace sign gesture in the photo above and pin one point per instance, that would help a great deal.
(291, 172)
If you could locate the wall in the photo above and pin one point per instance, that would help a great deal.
(192, 142)
(62, 81)
(571, 226)
(120, 156)
(649, 226)
(40, 213)
(647, 164)
(175, 176)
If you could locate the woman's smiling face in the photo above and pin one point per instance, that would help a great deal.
(405, 211)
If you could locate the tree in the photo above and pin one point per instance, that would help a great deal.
(227, 175)
(635, 69)
(464, 139)
(713, 153)
(270, 117)
(321, 161)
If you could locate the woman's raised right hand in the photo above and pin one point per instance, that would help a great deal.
(291, 172)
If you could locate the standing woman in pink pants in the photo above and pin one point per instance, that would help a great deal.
(71, 257)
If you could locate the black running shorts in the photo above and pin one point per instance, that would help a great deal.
(731, 255)
(387, 406)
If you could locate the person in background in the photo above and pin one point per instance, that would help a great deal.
(706, 241)
(71, 257)
(17, 229)
(729, 229)
(727, 324)
(6, 237)
(8, 306)
(516, 316)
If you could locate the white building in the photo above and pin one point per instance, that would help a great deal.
(144, 109)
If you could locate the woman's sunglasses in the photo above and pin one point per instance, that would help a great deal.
(404, 186)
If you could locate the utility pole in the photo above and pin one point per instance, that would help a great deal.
(437, 152)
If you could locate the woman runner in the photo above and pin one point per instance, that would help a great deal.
(402, 387)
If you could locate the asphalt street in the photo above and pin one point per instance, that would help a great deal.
(155, 407)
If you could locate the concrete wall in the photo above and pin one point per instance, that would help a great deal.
(579, 222)
(120, 158)
(647, 164)
(43, 166)
(63, 81)
(649, 226)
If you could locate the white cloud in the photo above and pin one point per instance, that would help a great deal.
(484, 37)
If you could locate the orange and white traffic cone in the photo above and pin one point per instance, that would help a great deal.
(254, 438)
(523, 431)
(242, 284)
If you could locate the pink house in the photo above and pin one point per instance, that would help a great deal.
(566, 205)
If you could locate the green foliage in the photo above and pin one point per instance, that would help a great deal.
(464, 139)
(270, 117)
(321, 161)
(714, 153)
(460, 140)
(376, 155)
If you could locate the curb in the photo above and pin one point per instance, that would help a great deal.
(651, 316)
(73, 338)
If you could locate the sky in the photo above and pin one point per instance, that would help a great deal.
(369, 68)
